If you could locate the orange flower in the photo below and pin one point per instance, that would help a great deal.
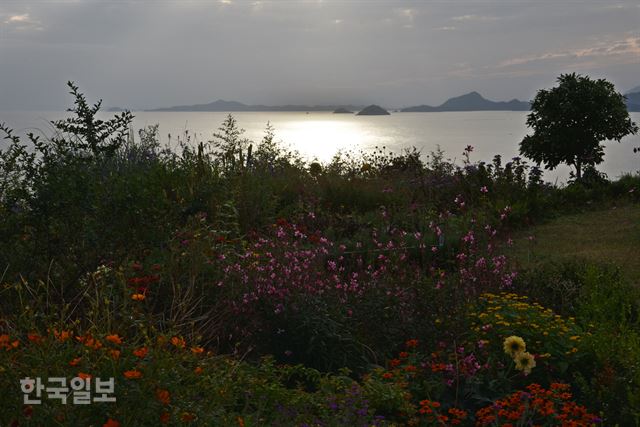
(115, 354)
(61, 336)
(198, 370)
(163, 396)
(387, 375)
(111, 423)
(197, 350)
(138, 297)
(132, 374)
(114, 338)
(141, 352)
(178, 342)
(186, 417)
(403, 354)
(75, 361)
(410, 368)
(240, 422)
(34, 338)
(394, 362)
(83, 376)
(164, 417)
(92, 343)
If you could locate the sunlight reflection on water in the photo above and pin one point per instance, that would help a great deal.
(319, 135)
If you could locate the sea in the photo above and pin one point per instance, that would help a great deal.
(321, 135)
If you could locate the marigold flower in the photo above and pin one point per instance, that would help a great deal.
(164, 417)
(141, 352)
(111, 423)
(197, 350)
(394, 362)
(387, 375)
(525, 362)
(84, 375)
(198, 370)
(132, 374)
(114, 338)
(514, 345)
(163, 396)
(34, 338)
(403, 354)
(187, 416)
(178, 342)
(61, 336)
(115, 354)
(92, 343)
(75, 361)
(138, 297)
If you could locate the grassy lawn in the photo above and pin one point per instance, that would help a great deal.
(611, 235)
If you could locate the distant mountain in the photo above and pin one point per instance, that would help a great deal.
(342, 111)
(373, 110)
(634, 90)
(228, 106)
(633, 101)
(472, 101)
(117, 109)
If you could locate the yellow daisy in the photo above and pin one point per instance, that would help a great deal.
(525, 362)
(514, 345)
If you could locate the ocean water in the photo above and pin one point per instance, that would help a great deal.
(320, 135)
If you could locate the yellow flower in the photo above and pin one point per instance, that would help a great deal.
(138, 297)
(525, 362)
(514, 345)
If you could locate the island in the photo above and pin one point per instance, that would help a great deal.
(235, 106)
(633, 100)
(373, 110)
(342, 110)
(472, 101)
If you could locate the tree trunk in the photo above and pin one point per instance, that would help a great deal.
(578, 169)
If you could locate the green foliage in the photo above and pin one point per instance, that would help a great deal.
(571, 120)
(248, 250)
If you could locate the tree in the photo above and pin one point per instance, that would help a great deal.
(572, 119)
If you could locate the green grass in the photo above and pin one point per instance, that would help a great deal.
(608, 235)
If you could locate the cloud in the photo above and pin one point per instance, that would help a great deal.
(628, 47)
(407, 15)
(18, 18)
(445, 28)
(23, 22)
(481, 18)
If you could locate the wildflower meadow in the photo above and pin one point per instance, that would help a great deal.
(233, 283)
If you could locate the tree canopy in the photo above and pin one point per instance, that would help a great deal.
(571, 120)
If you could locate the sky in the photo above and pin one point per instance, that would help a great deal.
(142, 54)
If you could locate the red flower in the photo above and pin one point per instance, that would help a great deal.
(411, 343)
(111, 423)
